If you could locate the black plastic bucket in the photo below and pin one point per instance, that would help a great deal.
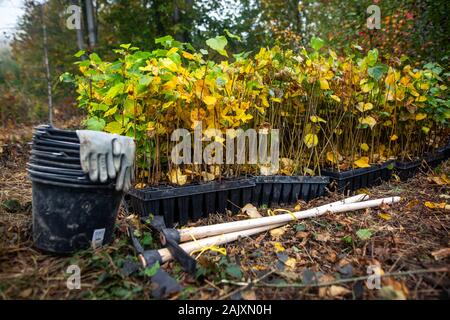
(68, 218)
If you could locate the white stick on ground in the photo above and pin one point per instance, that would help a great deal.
(212, 230)
(191, 246)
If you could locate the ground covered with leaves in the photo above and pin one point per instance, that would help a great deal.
(329, 257)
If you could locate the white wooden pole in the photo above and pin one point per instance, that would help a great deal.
(208, 231)
(191, 246)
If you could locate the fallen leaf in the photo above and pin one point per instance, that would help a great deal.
(291, 263)
(336, 291)
(435, 205)
(278, 232)
(324, 237)
(302, 234)
(251, 211)
(297, 207)
(248, 295)
(385, 216)
(26, 293)
(441, 253)
(364, 234)
(278, 247)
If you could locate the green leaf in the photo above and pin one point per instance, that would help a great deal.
(317, 43)
(126, 46)
(151, 271)
(234, 271)
(364, 234)
(79, 53)
(114, 127)
(115, 90)
(95, 58)
(166, 41)
(232, 36)
(372, 57)
(95, 124)
(377, 71)
(218, 44)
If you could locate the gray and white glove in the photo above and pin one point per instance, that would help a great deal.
(124, 153)
(107, 156)
(96, 154)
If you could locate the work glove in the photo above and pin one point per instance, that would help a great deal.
(124, 151)
(107, 156)
(96, 154)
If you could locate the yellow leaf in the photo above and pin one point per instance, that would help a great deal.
(207, 176)
(420, 116)
(421, 99)
(188, 55)
(385, 216)
(176, 177)
(394, 137)
(169, 64)
(278, 247)
(362, 162)
(276, 100)
(316, 119)
(209, 100)
(335, 98)
(364, 147)
(369, 120)
(110, 111)
(332, 157)
(167, 104)
(277, 233)
(430, 205)
(311, 140)
(291, 263)
(324, 84)
(424, 86)
(364, 106)
(298, 207)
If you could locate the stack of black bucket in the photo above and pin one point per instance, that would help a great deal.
(70, 212)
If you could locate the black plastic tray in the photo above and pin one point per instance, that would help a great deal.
(183, 203)
(281, 190)
(352, 180)
(407, 169)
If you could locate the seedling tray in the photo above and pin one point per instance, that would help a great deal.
(183, 203)
(407, 169)
(352, 180)
(281, 190)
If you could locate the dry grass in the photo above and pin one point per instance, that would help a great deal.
(326, 249)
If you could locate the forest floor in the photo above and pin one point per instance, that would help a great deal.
(329, 257)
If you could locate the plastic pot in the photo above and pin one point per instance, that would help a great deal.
(54, 164)
(65, 172)
(55, 156)
(67, 218)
